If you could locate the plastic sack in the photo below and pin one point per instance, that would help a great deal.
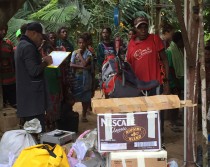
(83, 145)
(172, 163)
(13, 142)
(33, 126)
(74, 161)
(42, 155)
(11, 161)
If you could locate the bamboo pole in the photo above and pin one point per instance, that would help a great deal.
(185, 89)
(203, 87)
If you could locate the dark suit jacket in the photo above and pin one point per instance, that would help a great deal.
(31, 87)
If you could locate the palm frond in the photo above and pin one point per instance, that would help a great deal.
(15, 24)
(56, 13)
(22, 14)
(51, 6)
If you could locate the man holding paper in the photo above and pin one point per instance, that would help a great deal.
(31, 88)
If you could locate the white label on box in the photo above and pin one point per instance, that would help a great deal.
(113, 146)
(145, 144)
(151, 124)
(130, 119)
(108, 127)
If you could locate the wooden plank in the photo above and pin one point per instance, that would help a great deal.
(137, 104)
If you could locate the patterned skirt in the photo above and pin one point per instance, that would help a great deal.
(53, 113)
(81, 89)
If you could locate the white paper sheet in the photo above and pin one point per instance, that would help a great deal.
(58, 57)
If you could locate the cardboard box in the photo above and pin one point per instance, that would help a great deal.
(138, 104)
(9, 119)
(131, 131)
(52, 138)
(137, 159)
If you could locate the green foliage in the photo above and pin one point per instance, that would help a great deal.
(89, 15)
(206, 36)
(14, 25)
(206, 17)
(102, 13)
(168, 14)
(80, 15)
(55, 13)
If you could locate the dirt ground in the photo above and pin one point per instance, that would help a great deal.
(174, 141)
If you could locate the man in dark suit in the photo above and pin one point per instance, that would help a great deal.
(31, 87)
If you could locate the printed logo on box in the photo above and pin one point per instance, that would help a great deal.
(114, 122)
(134, 134)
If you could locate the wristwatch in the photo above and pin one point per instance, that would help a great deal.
(43, 61)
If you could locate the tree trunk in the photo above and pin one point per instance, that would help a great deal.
(157, 17)
(193, 25)
(190, 39)
(203, 87)
(192, 90)
(8, 8)
(178, 7)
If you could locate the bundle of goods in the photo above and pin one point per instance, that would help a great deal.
(84, 153)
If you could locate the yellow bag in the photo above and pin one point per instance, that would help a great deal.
(42, 155)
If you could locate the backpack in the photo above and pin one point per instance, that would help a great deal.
(113, 81)
(119, 80)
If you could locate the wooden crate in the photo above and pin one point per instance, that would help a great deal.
(138, 104)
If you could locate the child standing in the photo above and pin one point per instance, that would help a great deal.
(81, 64)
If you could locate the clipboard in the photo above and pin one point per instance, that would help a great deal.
(58, 57)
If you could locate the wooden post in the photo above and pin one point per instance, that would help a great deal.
(192, 79)
(203, 86)
(190, 38)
